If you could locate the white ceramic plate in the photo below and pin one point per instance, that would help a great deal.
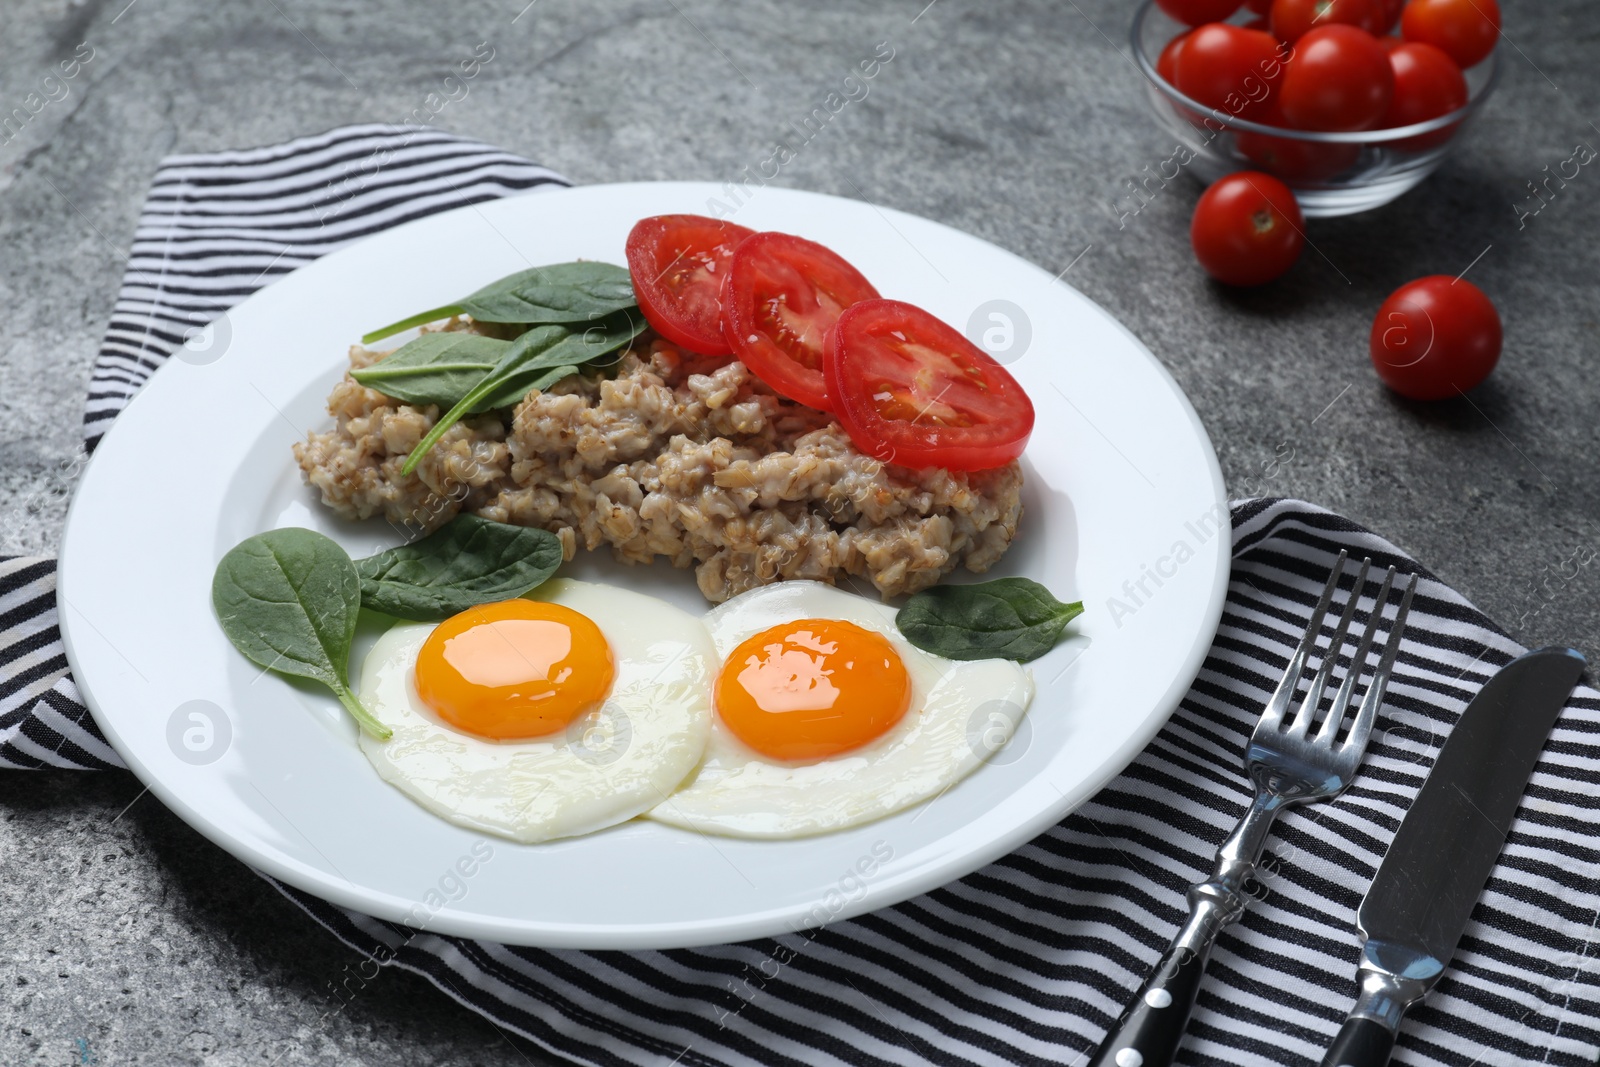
(1124, 500)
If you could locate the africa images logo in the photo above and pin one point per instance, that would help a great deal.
(1139, 591)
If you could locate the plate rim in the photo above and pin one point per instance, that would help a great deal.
(888, 890)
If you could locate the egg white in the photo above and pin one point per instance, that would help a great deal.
(960, 713)
(605, 769)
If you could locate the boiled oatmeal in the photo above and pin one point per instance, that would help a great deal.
(669, 455)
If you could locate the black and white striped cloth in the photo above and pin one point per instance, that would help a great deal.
(1028, 960)
(215, 228)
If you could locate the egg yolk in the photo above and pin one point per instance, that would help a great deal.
(812, 688)
(516, 669)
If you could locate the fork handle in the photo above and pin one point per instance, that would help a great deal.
(1150, 1029)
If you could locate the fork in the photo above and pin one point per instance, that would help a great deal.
(1289, 764)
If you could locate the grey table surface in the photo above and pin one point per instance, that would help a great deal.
(130, 939)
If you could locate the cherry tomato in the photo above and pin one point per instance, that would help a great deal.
(1291, 158)
(678, 263)
(1339, 79)
(1427, 84)
(1466, 30)
(1167, 61)
(910, 389)
(1435, 337)
(1198, 12)
(781, 295)
(1293, 19)
(1230, 68)
(1247, 229)
(1167, 68)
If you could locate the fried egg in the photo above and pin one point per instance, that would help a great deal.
(572, 709)
(826, 717)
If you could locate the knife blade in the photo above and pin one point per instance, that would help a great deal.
(1422, 897)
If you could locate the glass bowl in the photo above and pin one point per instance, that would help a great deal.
(1330, 173)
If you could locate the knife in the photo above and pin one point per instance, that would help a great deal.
(1425, 889)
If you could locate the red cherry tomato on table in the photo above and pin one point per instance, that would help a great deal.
(1465, 30)
(1339, 79)
(1435, 337)
(910, 389)
(1291, 158)
(1230, 68)
(1293, 19)
(678, 263)
(1198, 12)
(1427, 84)
(1247, 229)
(781, 295)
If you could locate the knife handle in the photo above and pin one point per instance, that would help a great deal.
(1148, 1033)
(1362, 1042)
(1393, 976)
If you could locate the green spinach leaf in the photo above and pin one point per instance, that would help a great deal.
(1007, 618)
(419, 319)
(288, 600)
(436, 368)
(558, 293)
(527, 362)
(562, 292)
(514, 389)
(468, 561)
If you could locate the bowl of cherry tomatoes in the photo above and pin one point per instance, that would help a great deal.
(1349, 102)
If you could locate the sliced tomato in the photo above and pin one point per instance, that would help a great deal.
(910, 389)
(678, 263)
(781, 295)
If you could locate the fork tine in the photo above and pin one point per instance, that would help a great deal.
(1319, 682)
(1328, 732)
(1361, 729)
(1273, 715)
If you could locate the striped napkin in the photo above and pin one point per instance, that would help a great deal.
(1030, 959)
